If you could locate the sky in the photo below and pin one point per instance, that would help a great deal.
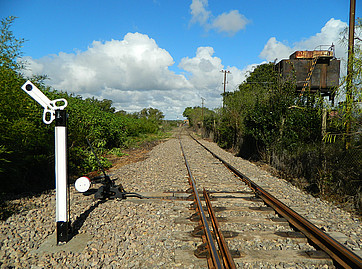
(166, 54)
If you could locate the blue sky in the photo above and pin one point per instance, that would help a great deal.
(165, 54)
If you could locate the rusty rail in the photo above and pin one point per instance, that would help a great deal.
(214, 260)
(340, 254)
(224, 249)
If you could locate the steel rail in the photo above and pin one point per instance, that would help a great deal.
(216, 263)
(225, 252)
(342, 255)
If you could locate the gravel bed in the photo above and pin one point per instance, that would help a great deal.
(154, 233)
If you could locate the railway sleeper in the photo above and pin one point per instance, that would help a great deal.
(202, 252)
(196, 217)
(199, 232)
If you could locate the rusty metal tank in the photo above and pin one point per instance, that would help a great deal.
(325, 71)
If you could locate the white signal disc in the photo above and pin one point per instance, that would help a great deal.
(82, 184)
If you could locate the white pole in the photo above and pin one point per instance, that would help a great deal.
(61, 176)
(53, 111)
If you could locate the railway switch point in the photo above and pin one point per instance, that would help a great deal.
(108, 190)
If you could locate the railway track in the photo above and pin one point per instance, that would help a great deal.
(242, 209)
(212, 254)
(164, 231)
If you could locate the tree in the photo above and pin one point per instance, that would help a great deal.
(187, 112)
(9, 46)
(121, 113)
(261, 115)
(152, 114)
(25, 143)
(104, 105)
(194, 115)
(348, 112)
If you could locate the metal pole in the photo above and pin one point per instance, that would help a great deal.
(223, 98)
(349, 93)
(202, 111)
(61, 176)
(224, 81)
(51, 112)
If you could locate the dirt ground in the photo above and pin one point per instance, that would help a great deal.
(132, 155)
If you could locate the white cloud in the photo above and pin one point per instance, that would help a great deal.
(230, 23)
(274, 49)
(134, 73)
(198, 11)
(206, 77)
(329, 34)
(135, 63)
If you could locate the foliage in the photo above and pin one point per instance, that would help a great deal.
(347, 120)
(9, 46)
(3, 158)
(198, 115)
(151, 114)
(168, 125)
(263, 114)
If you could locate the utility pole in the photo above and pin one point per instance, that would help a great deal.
(225, 82)
(349, 91)
(202, 111)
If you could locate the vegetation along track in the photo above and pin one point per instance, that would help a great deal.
(247, 214)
